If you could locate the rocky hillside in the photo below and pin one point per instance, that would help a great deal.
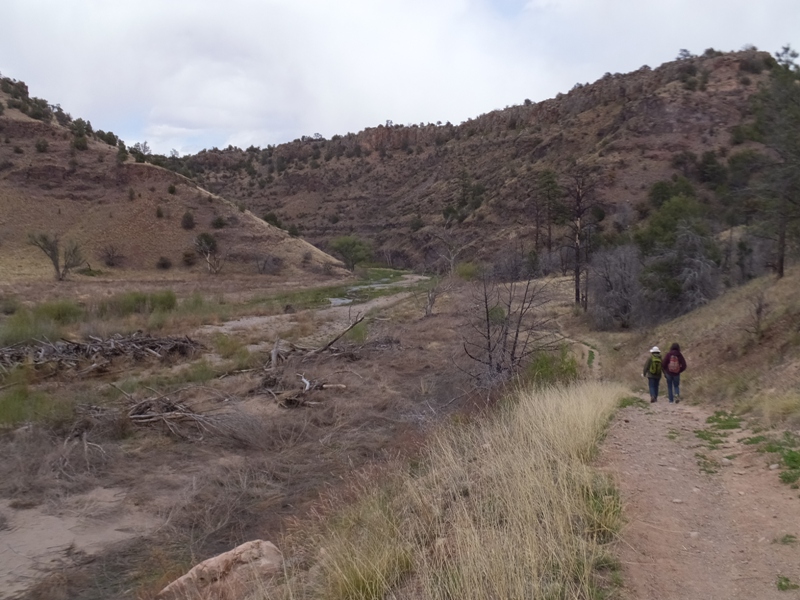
(392, 183)
(59, 181)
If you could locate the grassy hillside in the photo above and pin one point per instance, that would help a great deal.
(49, 185)
(735, 356)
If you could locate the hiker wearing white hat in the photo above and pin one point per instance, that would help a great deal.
(652, 370)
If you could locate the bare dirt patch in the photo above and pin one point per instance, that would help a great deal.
(700, 525)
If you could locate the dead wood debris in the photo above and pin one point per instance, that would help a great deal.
(96, 354)
(282, 352)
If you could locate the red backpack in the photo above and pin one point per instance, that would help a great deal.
(674, 365)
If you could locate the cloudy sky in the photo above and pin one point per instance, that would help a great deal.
(192, 74)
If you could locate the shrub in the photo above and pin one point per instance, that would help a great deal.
(206, 243)
(218, 222)
(416, 223)
(352, 250)
(552, 368)
(189, 257)
(80, 143)
(468, 271)
(293, 230)
(273, 220)
(111, 256)
(130, 303)
(19, 405)
(159, 212)
(62, 312)
(18, 150)
(41, 145)
(163, 263)
(24, 326)
(187, 220)
(171, 188)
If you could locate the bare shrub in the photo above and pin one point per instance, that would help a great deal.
(757, 313)
(51, 246)
(508, 325)
(269, 265)
(111, 256)
(615, 287)
(220, 509)
(681, 278)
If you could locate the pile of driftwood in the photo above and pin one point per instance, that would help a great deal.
(174, 411)
(282, 352)
(97, 352)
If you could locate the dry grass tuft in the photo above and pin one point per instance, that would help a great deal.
(507, 508)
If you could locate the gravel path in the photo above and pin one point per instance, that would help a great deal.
(692, 534)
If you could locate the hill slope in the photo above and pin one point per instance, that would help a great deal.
(390, 183)
(49, 185)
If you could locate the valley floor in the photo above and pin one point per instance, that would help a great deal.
(702, 523)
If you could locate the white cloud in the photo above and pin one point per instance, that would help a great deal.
(191, 74)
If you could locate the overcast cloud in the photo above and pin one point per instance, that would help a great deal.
(192, 74)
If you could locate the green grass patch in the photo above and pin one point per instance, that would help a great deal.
(724, 420)
(673, 434)
(784, 584)
(753, 440)
(787, 540)
(633, 401)
(19, 404)
(468, 271)
(552, 368)
(25, 326)
(712, 438)
(358, 334)
(62, 312)
(590, 360)
(130, 303)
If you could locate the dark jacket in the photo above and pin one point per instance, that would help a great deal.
(646, 372)
(681, 361)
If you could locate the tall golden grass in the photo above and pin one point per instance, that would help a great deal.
(507, 507)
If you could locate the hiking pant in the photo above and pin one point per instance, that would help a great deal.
(673, 385)
(653, 386)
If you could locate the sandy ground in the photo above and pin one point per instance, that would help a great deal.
(694, 535)
(39, 539)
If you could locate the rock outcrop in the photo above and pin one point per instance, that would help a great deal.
(230, 575)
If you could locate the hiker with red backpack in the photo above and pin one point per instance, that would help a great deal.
(652, 370)
(673, 365)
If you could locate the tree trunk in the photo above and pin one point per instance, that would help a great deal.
(782, 218)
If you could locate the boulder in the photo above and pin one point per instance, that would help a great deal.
(230, 575)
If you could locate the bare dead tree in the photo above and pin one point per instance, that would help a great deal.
(583, 209)
(615, 287)
(508, 326)
(64, 260)
(206, 246)
(758, 311)
(448, 248)
(438, 288)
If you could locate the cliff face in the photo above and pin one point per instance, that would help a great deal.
(391, 183)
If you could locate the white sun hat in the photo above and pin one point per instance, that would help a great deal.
(655, 349)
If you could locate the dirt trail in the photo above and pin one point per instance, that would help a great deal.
(693, 534)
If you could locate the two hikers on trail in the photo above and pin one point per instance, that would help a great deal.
(671, 365)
